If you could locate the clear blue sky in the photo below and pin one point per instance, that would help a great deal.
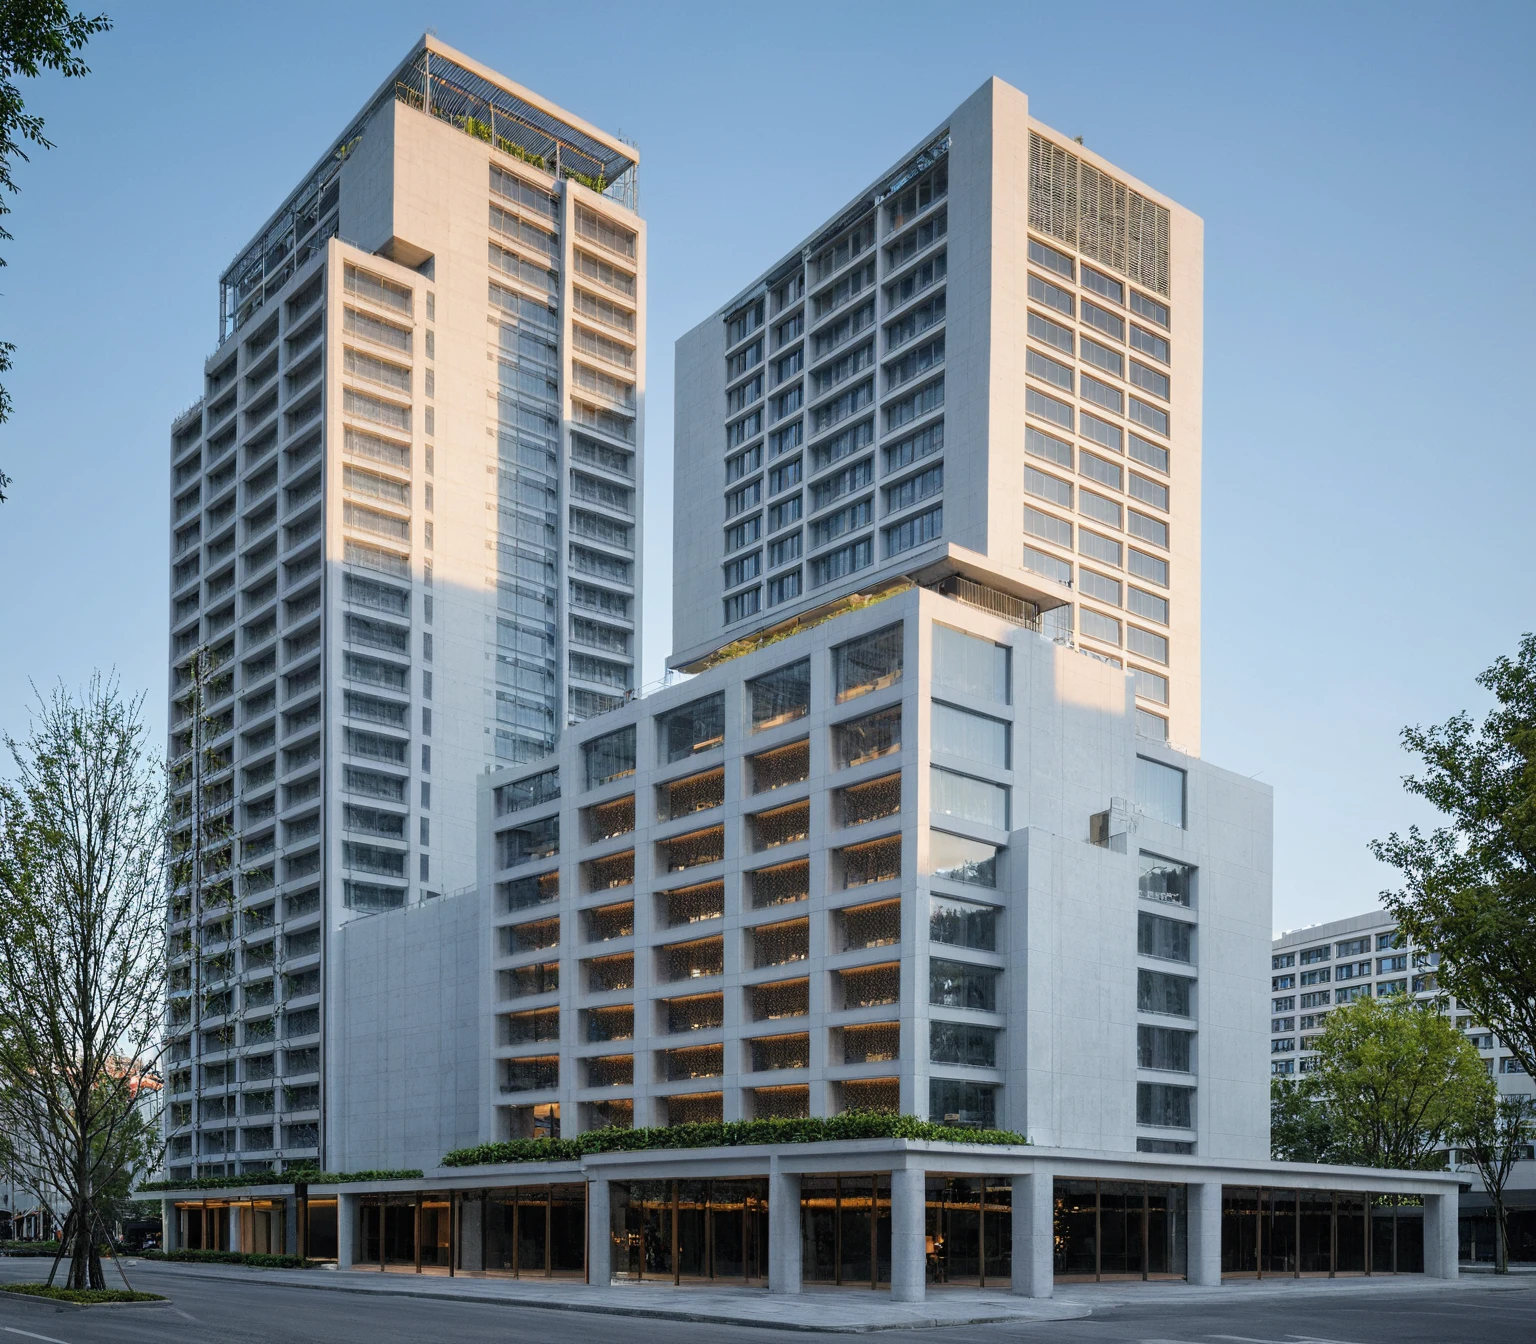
(1365, 172)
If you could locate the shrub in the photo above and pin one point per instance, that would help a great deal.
(289, 1177)
(728, 1134)
(253, 1258)
(83, 1296)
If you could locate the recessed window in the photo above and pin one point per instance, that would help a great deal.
(1160, 790)
(957, 858)
(1148, 344)
(691, 728)
(781, 696)
(1050, 258)
(1099, 587)
(1053, 296)
(1102, 285)
(1098, 626)
(970, 666)
(1150, 380)
(1098, 508)
(967, 798)
(962, 923)
(1048, 370)
(1150, 309)
(958, 732)
(1111, 361)
(1168, 939)
(1045, 446)
(1047, 487)
(868, 663)
(1047, 526)
(1052, 333)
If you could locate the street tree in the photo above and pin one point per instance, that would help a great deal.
(1395, 1079)
(1493, 1137)
(35, 35)
(1469, 887)
(82, 938)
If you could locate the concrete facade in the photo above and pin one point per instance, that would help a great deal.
(994, 351)
(404, 549)
(1061, 1031)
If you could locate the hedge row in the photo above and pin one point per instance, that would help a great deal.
(255, 1258)
(81, 1296)
(727, 1134)
(292, 1175)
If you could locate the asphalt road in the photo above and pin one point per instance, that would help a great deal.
(223, 1311)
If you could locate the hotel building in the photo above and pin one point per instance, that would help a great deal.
(403, 551)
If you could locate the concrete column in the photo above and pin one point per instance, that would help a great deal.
(1034, 1234)
(783, 1230)
(1442, 1249)
(1205, 1234)
(909, 1261)
(235, 1241)
(599, 1233)
(170, 1226)
(346, 1230)
(291, 1226)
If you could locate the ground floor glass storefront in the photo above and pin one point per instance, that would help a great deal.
(689, 1231)
(1109, 1230)
(536, 1231)
(1290, 1233)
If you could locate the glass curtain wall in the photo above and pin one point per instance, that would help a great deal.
(968, 1232)
(1106, 1230)
(690, 1231)
(1294, 1233)
(845, 1229)
(536, 1231)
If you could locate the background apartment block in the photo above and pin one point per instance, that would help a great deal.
(914, 857)
(1316, 969)
(404, 550)
(993, 351)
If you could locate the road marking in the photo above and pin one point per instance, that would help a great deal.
(11, 1329)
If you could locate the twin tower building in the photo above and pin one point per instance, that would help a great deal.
(921, 824)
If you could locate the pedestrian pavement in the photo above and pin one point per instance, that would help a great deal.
(830, 1310)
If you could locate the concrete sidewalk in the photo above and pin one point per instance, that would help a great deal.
(830, 1310)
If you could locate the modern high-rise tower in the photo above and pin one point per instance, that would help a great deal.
(990, 359)
(403, 550)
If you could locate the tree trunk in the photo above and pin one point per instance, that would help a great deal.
(84, 1255)
(1500, 1241)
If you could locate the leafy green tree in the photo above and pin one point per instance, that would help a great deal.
(1395, 1079)
(1469, 887)
(35, 35)
(1301, 1126)
(1493, 1137)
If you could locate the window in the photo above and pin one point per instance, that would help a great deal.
(1099, 283)
(1048, 370)
(741, 605)
(868, 663)
(1099, 587)
(967, 798)
(959, 859)
(1281, 960)
(1101, 432)
(914, 404)
(1098, 508)
(910, 449)
(1052, 333)
(745, 567)
(914, 488)
(1045, 446)
(1159, 992)
(1150, 309)
(915, 531)
(1111, 361)
(1323, 975)
(1097, 547)
(843, 561)
(1038, 562)
(1164, 1048)
(1154, 456)
(962, 1043)
(1049, 257)
(1169, 939)
(1352, 947)
(744, 464)
(1151, 685)
(785, 549)
(953, 1102)
(784, 587)
(785, 512)
(1166, 880)
(970, 667)
(1385, 942)
(1104, 320)
(958, 732)
(786, 438)
(1160, 791)
(1149, 529)
(1149, 491)
(1048, 408)
(962, 923)
(866, 739)
(1282, 982)
(609, 757)
(532, 840)
(781, 696)
(784, 476)
(1148, 344)
(1148, 645)
(1145, 414)
(1045, 486)
(1048, 527)
(1149, 380)
(1102, 394)
(958, 984)
(691, 728)
(1098, 626)
(1148, 567)
(1053, 296)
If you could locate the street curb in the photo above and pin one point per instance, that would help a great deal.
(1059, 1313)
(77, 1306)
